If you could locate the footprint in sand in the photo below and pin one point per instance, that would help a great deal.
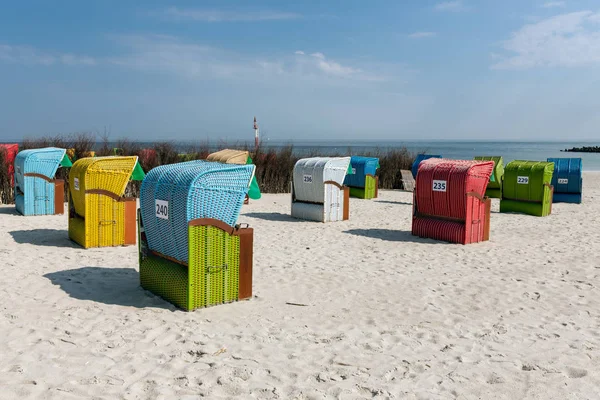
(574, 373)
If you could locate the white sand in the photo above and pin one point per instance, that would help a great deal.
(388, 315)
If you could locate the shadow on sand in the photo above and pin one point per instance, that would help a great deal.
(117, 286)
(44, 237)
(273, 217)
(390, 235)
(8, 210)
(393, 202)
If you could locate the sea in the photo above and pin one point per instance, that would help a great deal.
(534, 151)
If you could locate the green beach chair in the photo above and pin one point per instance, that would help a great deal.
(494, 187)
(527, 188)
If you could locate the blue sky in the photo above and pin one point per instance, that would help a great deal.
(311, 70)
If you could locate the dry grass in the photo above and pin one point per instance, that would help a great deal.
(273, 166)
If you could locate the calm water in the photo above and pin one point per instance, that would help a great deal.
(536, 151)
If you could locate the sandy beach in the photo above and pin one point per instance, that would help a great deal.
(348, 310)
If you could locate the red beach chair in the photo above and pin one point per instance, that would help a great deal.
(449, 202)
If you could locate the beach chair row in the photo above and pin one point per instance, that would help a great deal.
(192, 250)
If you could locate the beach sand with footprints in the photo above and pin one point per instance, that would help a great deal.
(349, 310)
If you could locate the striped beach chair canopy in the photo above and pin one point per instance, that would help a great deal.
(310, 175)
(229, 156)
(102, 175)
(173, 195)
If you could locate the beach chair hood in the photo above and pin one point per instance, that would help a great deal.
(173, 195)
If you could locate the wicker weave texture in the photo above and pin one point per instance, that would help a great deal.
(458, 178)
(310, 174)
(192, 190)
(214, 266)
(527, 180)
(228, 156)
(103, 173)
(99, 219)
(567, 176)
(35, 195)
(497, 174)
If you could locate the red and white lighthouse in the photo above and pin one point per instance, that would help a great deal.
(255, 134)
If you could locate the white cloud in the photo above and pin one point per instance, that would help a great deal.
(570, 40)
(31, 56)
(554, 4)
(456, 5)
(170, 55)
(228, 16)
(420, 35)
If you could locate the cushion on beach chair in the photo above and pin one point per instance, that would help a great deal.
(494, 188)
(36, 190)
(421, 157)
(527, 188)
(363, 180)
(99, 215)
(567, 180)
(318, 193)
(449, 201)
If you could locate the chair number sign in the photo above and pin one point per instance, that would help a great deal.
(353, 171)
(439, 186)
(76, 183)
(523, 180)
(308, 179)
(563, 181)
(162, 209)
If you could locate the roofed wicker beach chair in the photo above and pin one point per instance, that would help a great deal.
(99, 215)
(36, 190)
(567, 180)
(494, 188)
(318, 193)
(10, 151)
(363, 180)
(240, 157)
(527, 188)
(449, 202)
(192, 252)
(418, 159)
